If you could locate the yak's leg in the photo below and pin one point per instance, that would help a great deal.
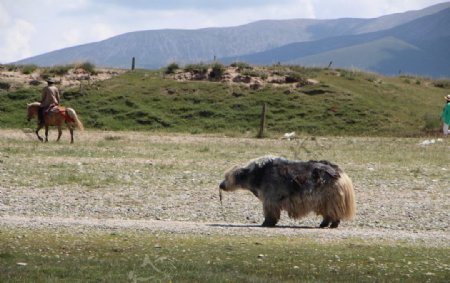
(39, 127)
(325, 222)
(46, 133)
(59, 133)
(335, 224)
(271, 214)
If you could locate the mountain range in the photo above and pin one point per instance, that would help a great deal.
(414, 42)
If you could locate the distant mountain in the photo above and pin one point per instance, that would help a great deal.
(305, 41)
(421, 46)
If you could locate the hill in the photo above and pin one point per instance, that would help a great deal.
(417, 47)
(157, 48)
(305, 100)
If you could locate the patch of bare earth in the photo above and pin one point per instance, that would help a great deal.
(233, 76)
(74, 77)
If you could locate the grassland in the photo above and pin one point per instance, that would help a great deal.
(127, 256)
(341, 102)
(139, 206)
(127, 206)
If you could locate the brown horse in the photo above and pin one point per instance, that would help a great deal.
(55, 117)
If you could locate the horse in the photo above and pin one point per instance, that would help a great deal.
(55, 117)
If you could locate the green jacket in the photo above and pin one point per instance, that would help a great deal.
(446, 114)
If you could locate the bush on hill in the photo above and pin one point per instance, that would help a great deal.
(171, 68)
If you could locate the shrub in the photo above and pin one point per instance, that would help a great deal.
(255, 74)
(171, 68)
(196, 68)
(11, 67)
(217, 71)
(60, 70)
(241, 66)
(88, 67)
(5, 85)
(294, 77)
(445, 84)
(45, 75)
(28, 69)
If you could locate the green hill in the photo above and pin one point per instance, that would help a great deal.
(335, 102)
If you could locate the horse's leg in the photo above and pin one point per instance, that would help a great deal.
(46, 133)
(71, 134)
(39, 127)
(59, 133)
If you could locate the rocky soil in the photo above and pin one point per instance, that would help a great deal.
(75, 77)
(153, 184)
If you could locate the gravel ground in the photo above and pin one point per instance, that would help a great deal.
(151, 188)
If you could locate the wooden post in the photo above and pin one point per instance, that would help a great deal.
(262, 125)
(133, 62)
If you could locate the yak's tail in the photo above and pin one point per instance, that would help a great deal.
(73, 115)
(348, 202)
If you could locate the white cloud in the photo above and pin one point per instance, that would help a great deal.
(197, 18)
(16, 40)
(367, 8)
(4, 16)
(101, 31)
(71, 37)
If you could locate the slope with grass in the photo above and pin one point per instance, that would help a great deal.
(332, 102)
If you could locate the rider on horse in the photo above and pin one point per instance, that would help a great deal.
(50, 98)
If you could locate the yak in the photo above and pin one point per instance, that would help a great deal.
(298, 187)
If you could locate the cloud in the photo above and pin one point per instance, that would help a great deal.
(101, 31)
(4, 17)
(16, 40)
(71, 36)
(199, 5)
(193, 18)
(367, 8)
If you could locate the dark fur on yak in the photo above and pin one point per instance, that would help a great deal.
(298, 187)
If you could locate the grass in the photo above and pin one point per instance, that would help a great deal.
(97, 152)
(128, 256)
(107, 173)
(342, 103)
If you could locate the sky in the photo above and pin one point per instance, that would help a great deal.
(33, 27)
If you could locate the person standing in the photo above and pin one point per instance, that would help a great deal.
(50, 98)
(445, 115)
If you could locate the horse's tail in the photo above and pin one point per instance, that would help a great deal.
(73, 115)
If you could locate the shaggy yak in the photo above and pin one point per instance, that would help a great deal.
(299, 187)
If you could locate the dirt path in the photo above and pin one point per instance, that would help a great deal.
(426, 238)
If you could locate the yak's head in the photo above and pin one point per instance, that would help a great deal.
(236, 178)
(247, 176)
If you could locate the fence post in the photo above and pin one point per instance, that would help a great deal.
(133, 61)
(262, 125)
